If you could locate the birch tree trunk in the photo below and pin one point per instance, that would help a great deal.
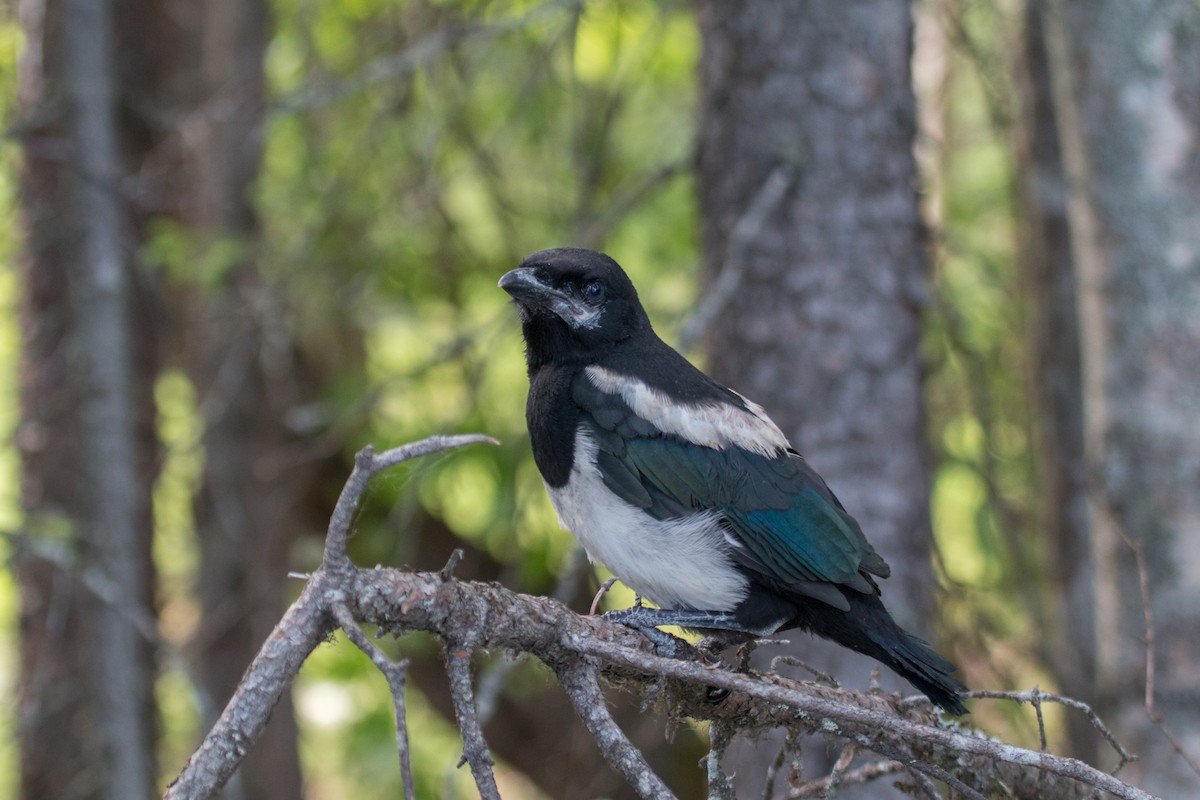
(1126, 78)
(822, 324)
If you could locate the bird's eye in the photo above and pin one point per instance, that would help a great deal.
(593, 292)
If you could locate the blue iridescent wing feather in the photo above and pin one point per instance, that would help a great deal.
(777, 509)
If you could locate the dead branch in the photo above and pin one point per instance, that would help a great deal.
(396, 674)
(581, 680)
(585, 650)
(1153, 713)
(822, 787)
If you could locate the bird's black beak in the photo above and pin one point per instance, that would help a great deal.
(522, 284)
(527, 291)
(533, 297)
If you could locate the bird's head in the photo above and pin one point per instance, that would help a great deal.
(574, 304)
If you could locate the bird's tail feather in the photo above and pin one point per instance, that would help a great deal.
(914, 660)
(868, 628)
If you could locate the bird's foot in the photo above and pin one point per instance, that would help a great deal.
(641, 619)
(647, 620)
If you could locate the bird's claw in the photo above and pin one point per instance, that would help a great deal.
(644, 620)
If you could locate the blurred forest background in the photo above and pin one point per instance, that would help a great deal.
(952, 246)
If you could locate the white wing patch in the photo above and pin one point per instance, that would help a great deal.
(679, 563)
(715, 426)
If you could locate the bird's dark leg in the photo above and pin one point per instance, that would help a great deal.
(647, 620)
(640, 616)
(641, 619)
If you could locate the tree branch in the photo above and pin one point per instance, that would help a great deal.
(396, 674)
(303, 627)
(469, 617)
(475, 749)
(581, 680)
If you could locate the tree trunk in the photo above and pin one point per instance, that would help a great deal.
(86, 436)
(1126, 79)
(238, 352)
(1045, 263)
(822, 325)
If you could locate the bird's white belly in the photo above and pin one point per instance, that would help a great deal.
(676, 563)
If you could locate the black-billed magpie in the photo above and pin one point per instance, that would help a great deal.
(686, 490)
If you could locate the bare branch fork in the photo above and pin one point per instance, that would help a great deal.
(582, 651)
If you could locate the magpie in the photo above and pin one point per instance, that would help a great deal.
(684, 489)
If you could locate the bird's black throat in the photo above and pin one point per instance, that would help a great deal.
(552, 418)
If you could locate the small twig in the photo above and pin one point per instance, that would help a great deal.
(926, 785)
(1152, 711)
(428, 446)
(1027, 697)
(367, 465)
(776, 764)
(396, 674)
(603, 590)
(475, 748)
(845, 758)
(581, 680)
(336, 556)
(792, 661)
(719, 785)
(1035, 699)
(447, 571)
(863, 774)
(919, 767)
(1139, 557)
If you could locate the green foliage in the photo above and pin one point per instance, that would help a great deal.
(10, 510)
(417, 150)
(348, 731)
(176, 557)
(189, 258)
(415, 153)
(977, 347)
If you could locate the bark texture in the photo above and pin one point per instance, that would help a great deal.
(153, 110)
(1126, 78)
(469, 617)
(822, 327)
(86, 438)
(1046, 270)
(114, 497)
